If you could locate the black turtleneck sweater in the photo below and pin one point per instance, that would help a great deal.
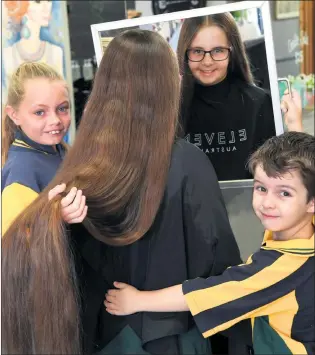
(229, 121)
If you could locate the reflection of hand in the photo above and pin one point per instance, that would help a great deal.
(73, 208)
(123, 301)
(292, 110)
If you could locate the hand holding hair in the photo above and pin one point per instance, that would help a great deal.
(73, 206)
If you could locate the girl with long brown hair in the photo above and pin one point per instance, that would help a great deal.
(222, 111)
(156, 217)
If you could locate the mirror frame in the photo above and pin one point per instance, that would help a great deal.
(242, 5)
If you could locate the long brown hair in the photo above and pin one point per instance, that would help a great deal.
(120, 159)
(16, 91)
(238, 62)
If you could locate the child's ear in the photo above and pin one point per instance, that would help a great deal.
(11, 112)
(311, 206)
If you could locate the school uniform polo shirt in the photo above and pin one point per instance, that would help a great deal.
(28, 170)
(274, 289)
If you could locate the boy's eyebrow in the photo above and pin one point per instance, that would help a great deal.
(287, 187)
(281, 186)
(256, 180)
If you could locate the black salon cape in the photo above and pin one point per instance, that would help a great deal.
(190, 237)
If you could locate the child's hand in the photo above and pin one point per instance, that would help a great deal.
(123, 301)
(73, 206)
(292, 110)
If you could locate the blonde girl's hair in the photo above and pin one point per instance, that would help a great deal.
(16, 93)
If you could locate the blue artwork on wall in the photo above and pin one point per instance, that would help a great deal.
(33, 31)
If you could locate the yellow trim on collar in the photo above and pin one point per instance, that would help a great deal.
(22, 142)
(302, 247)
(27, 146)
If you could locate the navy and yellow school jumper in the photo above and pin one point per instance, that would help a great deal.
(275, 289)
(28, 170)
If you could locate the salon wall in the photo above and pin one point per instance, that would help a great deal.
(283, 32)
(145, 7)
(84, 13)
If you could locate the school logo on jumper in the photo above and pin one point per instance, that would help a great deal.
(218, 142)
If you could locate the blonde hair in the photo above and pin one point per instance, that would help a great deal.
(16, 92)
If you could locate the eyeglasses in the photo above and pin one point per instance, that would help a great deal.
(217, 54)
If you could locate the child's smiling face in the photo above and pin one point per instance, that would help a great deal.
(44, 112)
(209, 71)
(281, 204)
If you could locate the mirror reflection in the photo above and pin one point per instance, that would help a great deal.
(223, 112)
(226, 108)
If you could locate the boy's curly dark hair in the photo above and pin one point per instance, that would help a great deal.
(287, 152)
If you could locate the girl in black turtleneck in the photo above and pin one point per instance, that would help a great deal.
(222, 111)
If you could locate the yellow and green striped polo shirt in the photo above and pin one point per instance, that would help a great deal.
(274, 289)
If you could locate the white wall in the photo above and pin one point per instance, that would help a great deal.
(145, 7)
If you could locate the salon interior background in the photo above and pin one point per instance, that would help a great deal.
(78, 51)
(82, 14)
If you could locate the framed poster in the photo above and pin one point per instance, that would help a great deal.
(287, 9)
(36, 31)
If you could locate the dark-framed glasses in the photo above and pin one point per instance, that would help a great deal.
(217, 54)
